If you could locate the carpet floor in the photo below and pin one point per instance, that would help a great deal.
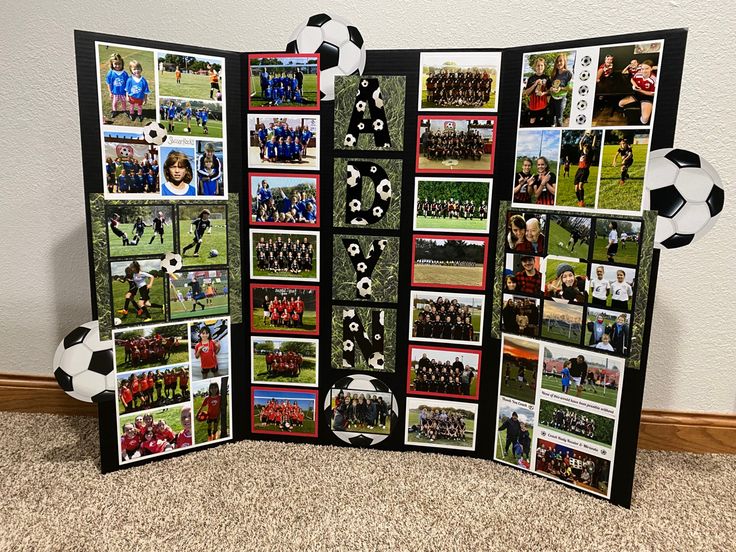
(273, 496)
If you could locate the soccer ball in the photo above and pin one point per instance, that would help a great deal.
(583, 90)
(584, 75)
(580, 119)
(376, 361)
(582, 104)
(687, 194)
(154, 133)
(214, 252)
(367, 385)
(560, 244)
(585, 61)
(339, 45)
(171, 262)
(83, 365)
(365, 287)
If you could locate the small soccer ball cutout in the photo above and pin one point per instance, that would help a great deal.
(154, 133)
(171, 262)
(687, 194)
(339, 45)
(83, 365)
(362, 387)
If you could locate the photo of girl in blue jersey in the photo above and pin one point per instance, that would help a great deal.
(284, 200)
(210, 165)
(191, 117)
(283, 81)
(177, 173)
(127, 96)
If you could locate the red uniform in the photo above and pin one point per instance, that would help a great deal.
(184, 439)
(648, 84)
(607, 70)
(212, 404)
(130, 444)
(207, 355)
(126, 396)
(153, 446)
(166, 434)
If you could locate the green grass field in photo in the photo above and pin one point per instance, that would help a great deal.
(516, 389)
(557, 235)
(170, 415)
(156, 398)
(439, 223)
(217, 306)
(192, 86)
(179, 355)
(501, 443)
(156, 294)
(145, 58)
(309, 91)
(627, 251)
(214, 128)
(307, 427)
(216, 240)
(200, 428)
(473, 384)
(626, 197)
(309, 323)
(414, 437)
(117, 249)
(308, 373)
(607, 397)
(557, 333)
(566, 188)
(470, 276)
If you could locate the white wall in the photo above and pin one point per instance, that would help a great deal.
(44, 250)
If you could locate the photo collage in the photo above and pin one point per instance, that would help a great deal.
(163, 123)
(584, 127)
(284, 244)
(450, 246)
(173, 387)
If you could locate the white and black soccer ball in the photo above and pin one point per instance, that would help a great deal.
(339, 44)
(171, 262)
(214, 253)
(368, 385)
(580, 119)
(83, 365)
(687, 194)
(583, 90)
(154, 133)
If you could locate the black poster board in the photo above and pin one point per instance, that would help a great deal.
(404, 63)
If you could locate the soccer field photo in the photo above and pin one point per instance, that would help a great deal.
(284, 411)
(458, 81)
(576, 423)
(191, 117)
(190, 76)
(162, 395)
(120, 113)
(514, 452)
(448, 424)
(283, 81)
(578, 169)
(288, 361)
(562, 322)
(200, 294)
(569, 236)
(627, 234)
(284, 255)
(449, 261)
(455, 145)
(128, 303)
(603, 395)
(144, 229)
(211, 247)
(151, 347)
(284, 309)
(445, 204)
(622, 185)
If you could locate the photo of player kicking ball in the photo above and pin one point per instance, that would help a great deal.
(135, 285)
(198, 293)
(141, 227)
(207, 227)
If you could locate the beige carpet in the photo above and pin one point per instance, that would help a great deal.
(274, 496)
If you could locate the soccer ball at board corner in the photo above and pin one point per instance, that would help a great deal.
(83, 365)
(362, 383)
(154, 133)
(171, 262)
(339, 44)
(687, 194)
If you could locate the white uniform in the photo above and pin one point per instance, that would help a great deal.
(140, 279)
(600, 288)
(621, 291)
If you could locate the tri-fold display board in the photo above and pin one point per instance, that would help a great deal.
(449, 254)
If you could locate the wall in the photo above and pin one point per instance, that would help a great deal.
(44, 259)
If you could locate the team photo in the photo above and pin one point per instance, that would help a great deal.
(283, 142)
(130, 163)
(443, 372)
(576, 423)
(284, 255)
(455, 145)
(284, 361)
(458, 81)
(284, 200)
(454, 205)
(284, 411)
(287, 309)
(151, 347)
(153, 388)
(203, 234)
(440, 424)
(153, 433)
(458, 262)
(139, 229)
(572, 466)
(519, 364)
(198, 293)
(283, 81)
(446, 317)
(360, 409)
(191, 117)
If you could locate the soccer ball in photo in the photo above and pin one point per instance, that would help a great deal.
(339, 45)
(154, 133)
(171, 262)
(580, 119)
(214, 252)
(368, 385)
(583, 90)
(83, 365)
(687, 194)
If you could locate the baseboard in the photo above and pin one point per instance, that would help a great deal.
(659, 429)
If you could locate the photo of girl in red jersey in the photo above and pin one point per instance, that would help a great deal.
(209, 345)
(211, 410)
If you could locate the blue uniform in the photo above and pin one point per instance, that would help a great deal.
(310, 215)
(204, 116)
(209, 187)
(282, 150)
(306, 135)
(122, 183)
(296, 150)
(165, 191)
(116, 80)
(264, 195)
(150, 181)
(270, 149)
(137, 89)
(565, 377)
(172, 112)
(262, 135)
(138, 183)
